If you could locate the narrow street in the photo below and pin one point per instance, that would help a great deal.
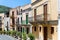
(6, 37)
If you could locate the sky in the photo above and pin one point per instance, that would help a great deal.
(14, 3)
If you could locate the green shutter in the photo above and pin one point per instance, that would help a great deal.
(23, 30)
(26, 19)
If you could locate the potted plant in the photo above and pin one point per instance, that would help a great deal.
(31, 36)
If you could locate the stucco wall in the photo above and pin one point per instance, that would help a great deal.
(2, 15)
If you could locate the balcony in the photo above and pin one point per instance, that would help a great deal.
(17, 23)
(12, 25)
(30, 19)
(39, 18)
(13, 17)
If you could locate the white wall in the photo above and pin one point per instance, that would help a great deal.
(59, 29)
(59, 20)
(19, 16)
(5, 23)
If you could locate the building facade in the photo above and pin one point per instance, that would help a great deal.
(40, 18)
(6, 22)
(26, 10)
(13, 17)
(1, 21)
(44, 19)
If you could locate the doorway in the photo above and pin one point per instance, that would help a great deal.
(0, 29)
(45, 33)
(27, 30)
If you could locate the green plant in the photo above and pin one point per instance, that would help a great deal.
(31, 36)
(19, 34)
(5, 32)
(24, 36)
(9, 32)
(0, 32)
(13, 33)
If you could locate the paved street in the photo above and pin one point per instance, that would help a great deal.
(6, 37)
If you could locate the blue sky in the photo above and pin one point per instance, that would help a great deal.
(14, 3)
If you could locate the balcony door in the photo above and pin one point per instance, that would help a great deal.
(34, 14)
(13, 21)
(27, 19)
(45, 12)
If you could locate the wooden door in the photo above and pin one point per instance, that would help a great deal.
(27, 30)
(45, 33)
(34, 14)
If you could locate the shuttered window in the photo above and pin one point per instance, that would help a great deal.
(26, 19)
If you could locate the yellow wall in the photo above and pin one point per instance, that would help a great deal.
(15, 16)
(54, 36)
(52, 8)
(52, 11)
(39, 10)
(2, 15)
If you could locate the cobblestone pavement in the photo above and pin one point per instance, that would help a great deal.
(6, 37)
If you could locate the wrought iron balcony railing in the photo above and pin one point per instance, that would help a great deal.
(30, 19)
(39, 18)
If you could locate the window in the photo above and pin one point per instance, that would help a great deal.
(13, 21)
(21, 12)
(21, 20)
(12, 13)
(7, 26)
(52, 30)
(34, 10)
(40, 29)
(35, 28)
(17, 12)
(7, 14)
(45, 12)
(18, 20)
